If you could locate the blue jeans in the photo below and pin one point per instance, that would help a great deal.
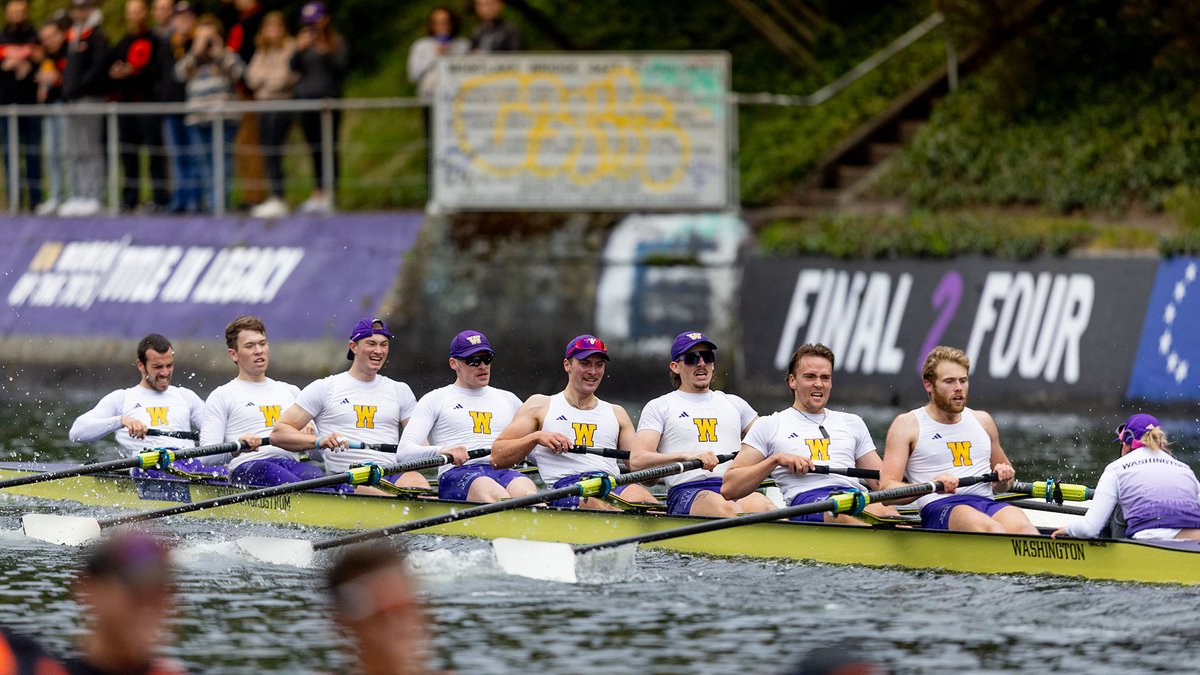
(201, 136)
(29, 147)
(185, 175)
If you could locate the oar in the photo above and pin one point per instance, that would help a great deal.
(75, 530)
(148, 459)
(818, 468)
(1054, 491)
(300, 552)
(553, 561)
(185, 435)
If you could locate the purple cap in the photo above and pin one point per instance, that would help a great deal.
(685, 341)
(585, 346)
(312, 13)
(183, 7)
(1135, 427)
(469, 342)
(136, 559)
(366, 328)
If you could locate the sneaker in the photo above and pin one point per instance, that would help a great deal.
(88, 207)
(46, 208)
(316, 204)
(272, 208)
(69, 207)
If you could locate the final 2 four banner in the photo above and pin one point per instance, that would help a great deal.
(1167, 365)
(1049, 330)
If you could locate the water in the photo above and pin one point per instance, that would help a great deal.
(672, 614)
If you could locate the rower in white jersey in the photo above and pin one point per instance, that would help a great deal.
(465, 415)
(546, 427)
(153, 404)
(357, 405)
(787, 445)
(944, 441)
(1158, 495)
(695, 422)
(246, 408)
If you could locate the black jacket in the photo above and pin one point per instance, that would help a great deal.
(87, 64)
(12, 89)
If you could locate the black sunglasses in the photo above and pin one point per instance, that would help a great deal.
(478, 359)
(693, 358)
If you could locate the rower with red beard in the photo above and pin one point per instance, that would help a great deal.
(945, 441)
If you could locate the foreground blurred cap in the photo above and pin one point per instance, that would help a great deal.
(313, 12)
(137, 559)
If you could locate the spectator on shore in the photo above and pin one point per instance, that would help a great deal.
(374, 602)
(184, 159)
(320, 61)
(85, 81)
(160, 14)
(210, 71)
(49, 78)
(270, 76)
(494, 34)
(245, 22)
(441, 39)
(20, 54)
(126, 593)
(133, 74)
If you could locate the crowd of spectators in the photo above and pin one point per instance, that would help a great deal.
(175, 51)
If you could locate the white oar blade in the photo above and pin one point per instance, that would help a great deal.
(543, 560)
(69, 530)
(279, 551)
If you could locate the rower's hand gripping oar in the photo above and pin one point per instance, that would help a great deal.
(553, 561)
(149, 459)
(75, 530)
(817, 468)
(300, 552)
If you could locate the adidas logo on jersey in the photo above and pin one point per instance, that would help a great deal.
(936, 437)
(249, 405)
(345, 400)
(136, 406)
(561, 418)
(457, 406)
(683, 414)
(794, 435)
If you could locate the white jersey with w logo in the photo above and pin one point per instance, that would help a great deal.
(596, 428)
(176, 409)
(962, 449)
(240, 407)
(792, 432)
(371, 412)
(691, 423)
(454, 415)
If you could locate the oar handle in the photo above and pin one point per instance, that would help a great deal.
(147, 459)
(851, 472)
(359, 475)
(381, 447)
(581, 488)
(603, 452)
(1054, 491)
(185, 435)
(837, 504)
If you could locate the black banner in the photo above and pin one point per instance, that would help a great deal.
(1051, 330)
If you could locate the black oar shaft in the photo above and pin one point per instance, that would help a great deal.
(185, 435)
(780, 514)
(851, 472)
(119, 464)
(287, 488)
(603, 452)
(509, 504)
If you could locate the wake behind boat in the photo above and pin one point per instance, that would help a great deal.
(914, 548)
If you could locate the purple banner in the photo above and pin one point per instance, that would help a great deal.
(307, 277)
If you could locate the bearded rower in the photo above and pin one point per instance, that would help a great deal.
(547, 427)
(154, 403)
(944, 441)
(356, 405)
(695, 422)
(464, 415)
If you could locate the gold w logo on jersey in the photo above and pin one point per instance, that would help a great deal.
(961, 450)
(707, 428)
(482, 422)
(365, 416)
(583, 433)
(270, 413)
(158, 415)
(818, 448)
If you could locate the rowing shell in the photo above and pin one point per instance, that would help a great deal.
(1122, 560)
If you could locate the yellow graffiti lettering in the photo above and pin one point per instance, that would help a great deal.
(818, 448)
(961, 451)
(270, 413)
(365, 416)
(707, 426)
(482, 422)
(158, 415)
(583, 433)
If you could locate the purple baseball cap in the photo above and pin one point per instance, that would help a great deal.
(1135, 427)
(137, 559)
(366, 328)
(469, 342)
(585, 346)
(313, 12)
(685, 341)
